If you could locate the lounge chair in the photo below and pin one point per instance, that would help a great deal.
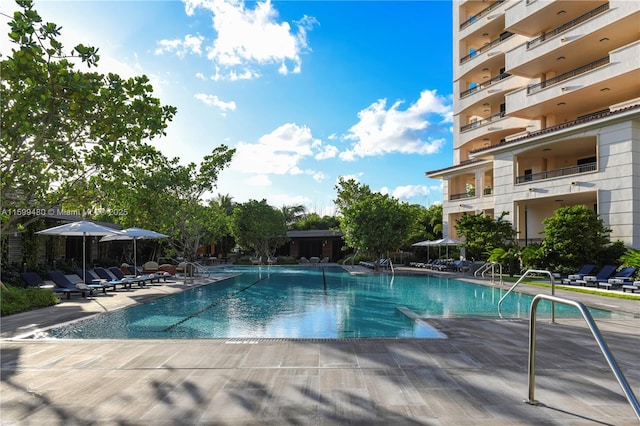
(602, 276)
(94, 281)
(632, 287)
(272, 260)
(31, 279)
(109, 278)
(303, 261)
(97, 285)
(324, 259)
(117, 272)
(150, 267)
(582, 272)
(256, 260)
(63, 285)
(621, 277)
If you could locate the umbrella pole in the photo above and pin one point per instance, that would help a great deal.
(135, 258)
(84, 255)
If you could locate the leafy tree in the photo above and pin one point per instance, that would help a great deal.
(372, 223)
(293, 214)
(483, 234)
(258, 226)
(427, 223)
(631, 257)
(167, 197)
(60, 126)
(314, 221)
(225, 242)
(574, 236)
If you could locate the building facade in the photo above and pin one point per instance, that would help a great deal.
(546, 113)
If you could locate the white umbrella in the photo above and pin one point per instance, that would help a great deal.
(448, 242)
(82, 229)
(426, 243)
(134, 234)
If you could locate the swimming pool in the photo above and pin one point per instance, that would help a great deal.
(308, 302)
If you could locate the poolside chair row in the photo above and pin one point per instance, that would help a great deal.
(86, 282)
(609, 277)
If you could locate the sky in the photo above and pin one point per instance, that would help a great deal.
(305, 91)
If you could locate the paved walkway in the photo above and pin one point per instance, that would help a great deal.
(478, 375)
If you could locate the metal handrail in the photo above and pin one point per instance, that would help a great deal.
(493, 271)
(533, 271)
(628, 392)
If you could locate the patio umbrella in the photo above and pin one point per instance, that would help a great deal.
(134, 234)
(426, 243)
(448, 242)
(82, 229)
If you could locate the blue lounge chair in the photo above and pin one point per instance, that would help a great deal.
(585, 270)
(63, 285)
(130, 278)
(31, 279)
(93, 281)
(623, 276)
(108, 278)
(602, 276)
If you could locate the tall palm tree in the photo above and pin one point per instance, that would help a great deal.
(293, 214)
(226, 203)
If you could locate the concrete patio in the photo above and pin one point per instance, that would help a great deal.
(478, 375)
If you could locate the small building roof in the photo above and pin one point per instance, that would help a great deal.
(314, 233)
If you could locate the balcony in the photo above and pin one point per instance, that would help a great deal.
(590, 87)
(504, 36)
(482, 122)
(480, 14)
(462, 196)
(484, 85)
(567, 75)
(564, 27)
(532, 18)
(578, 41)
(565, 171)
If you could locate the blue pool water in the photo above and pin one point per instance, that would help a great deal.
(308, 302)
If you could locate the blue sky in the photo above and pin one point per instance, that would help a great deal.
(307, 91)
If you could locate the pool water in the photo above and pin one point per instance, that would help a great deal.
(308, 302)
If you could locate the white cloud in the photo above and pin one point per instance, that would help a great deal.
(279, 152)
(234, 75)
(328, 151)
(258, 180)
(213, 100)
(345, 178)
(248, 36)
(383, 131)
(190, 44)
(407, 192)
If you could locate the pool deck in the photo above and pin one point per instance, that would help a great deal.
(477, 376)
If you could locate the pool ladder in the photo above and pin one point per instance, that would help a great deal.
(622, 381)
(526, 274)
(490, 266)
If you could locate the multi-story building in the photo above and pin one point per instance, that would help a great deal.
(546, 113)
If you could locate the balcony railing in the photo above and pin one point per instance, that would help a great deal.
(564, 27)
(487, 46)
(484, 84)
(534, 88)
(565, 171)
(480, 14)
(469, 194)
(482, 122)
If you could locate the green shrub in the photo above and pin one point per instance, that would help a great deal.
(14, 300)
